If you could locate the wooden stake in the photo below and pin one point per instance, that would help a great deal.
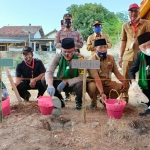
(83, 95)
(13, 84)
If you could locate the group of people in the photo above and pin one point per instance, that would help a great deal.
(134, 56)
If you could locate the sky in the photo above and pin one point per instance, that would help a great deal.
(48, 13)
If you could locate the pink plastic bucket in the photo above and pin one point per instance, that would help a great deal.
(6, 106)
(46, 105)
(115, 110)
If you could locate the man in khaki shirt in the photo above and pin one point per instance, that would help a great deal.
(97, 27)
(102, 83)
(129, 43)
(68, 32)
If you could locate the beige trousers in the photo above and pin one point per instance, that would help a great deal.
(107, 86)
(125, 69)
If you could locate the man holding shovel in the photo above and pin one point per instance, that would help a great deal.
(68, 79)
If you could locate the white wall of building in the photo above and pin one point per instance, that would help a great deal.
(17, 49)
(52, 35)
(37, 35)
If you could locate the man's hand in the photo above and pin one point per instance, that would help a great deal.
(51, 90)
(103, 96)
(135, 86)
(123, 87)
(61, 86)
(32, 83)
(120, 62)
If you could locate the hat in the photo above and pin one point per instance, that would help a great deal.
(67, 15)
(97, 22)
(143, 38)
(67, 43)
(27, 49)
(133, 6)
(100, 42)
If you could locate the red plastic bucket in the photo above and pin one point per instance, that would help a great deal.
(45, 104)
(6, 106)
(115, 109)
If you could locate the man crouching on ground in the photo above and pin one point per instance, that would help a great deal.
(102, 83)
(29, 73)
(68, 79)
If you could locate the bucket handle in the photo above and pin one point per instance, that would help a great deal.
(120, 96)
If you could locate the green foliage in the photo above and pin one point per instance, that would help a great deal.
(122, 16)
(16, 61)
(85, 15)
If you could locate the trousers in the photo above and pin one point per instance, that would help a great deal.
(126, 67)
(77, 88)
(24, 86)
(107, 87)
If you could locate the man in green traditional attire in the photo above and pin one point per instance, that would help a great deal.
(68, 79)
(142, 64)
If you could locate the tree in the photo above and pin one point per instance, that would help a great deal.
(85, 15)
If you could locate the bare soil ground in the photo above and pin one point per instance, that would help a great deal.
(26, 129)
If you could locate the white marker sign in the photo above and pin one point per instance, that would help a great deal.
(85, 64)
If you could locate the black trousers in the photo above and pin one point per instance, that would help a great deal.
(24, 86)
(77, 88)
(147, 93)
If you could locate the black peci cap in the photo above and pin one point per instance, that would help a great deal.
(100, 42)
(143, 38)
(67, 43)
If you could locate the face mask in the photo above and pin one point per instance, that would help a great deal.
(67, 23)
(135, 20)
(97, 29)
(67, 56)
(102, 54)
(147, 52)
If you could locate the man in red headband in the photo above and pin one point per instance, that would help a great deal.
(129, 43)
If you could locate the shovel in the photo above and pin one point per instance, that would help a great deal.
(57, 106)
